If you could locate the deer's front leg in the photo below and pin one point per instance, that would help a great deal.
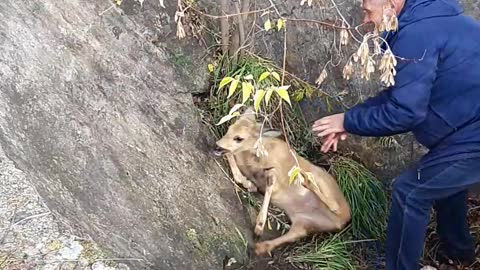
(238, 177)
(262, 216)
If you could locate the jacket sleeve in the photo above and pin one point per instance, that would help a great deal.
(406, 103)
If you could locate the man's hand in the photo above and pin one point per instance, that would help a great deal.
(332, 127)
(329, 124)
(332, 141)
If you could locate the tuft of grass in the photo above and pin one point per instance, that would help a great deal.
(366, 196)
(388, 142)
(330, 253)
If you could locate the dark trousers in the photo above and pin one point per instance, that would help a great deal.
(415, 192)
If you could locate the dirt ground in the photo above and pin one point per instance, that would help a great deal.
(31, 237)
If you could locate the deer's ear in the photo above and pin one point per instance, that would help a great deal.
(249, 114)
(272, 133)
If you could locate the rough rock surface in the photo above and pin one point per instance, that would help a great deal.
(93, 112)
(32, 238)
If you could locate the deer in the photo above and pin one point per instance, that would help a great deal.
(315, 205)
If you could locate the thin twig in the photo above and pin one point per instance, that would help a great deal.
(291, 75)
(322, 23)
(229, 15)
(9, 226)
(275, 8)
(230, 178)
(32, 217)
(98, 260)
(284, 18)
(344, 20)
(473, 208)
(284, 53)
(224, 27)
(282, 119)
(106, 10)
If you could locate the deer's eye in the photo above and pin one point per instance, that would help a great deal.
(237, 139)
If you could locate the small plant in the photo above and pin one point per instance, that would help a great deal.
(388, 142)
(366, 196)
(260, 89)
(327, 254)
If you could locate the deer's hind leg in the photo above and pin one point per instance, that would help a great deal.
(316, 187)
(297, 231)
(302, 225)
(340, 213)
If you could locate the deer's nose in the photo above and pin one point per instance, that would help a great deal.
(219, 151)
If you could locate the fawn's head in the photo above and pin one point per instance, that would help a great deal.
(242, 135)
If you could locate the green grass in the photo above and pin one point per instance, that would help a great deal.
(331, 253)
(366, 196)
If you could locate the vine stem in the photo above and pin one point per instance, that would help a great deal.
(282, 118)
(323, 23)
(229, 15)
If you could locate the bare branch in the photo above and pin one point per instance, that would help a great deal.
(229, 15)
(224, 26)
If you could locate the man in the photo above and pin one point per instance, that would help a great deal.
(436, 96)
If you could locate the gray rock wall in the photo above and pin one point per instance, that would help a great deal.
(96, 115)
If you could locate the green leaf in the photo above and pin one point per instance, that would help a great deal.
(248, 77)
(329, 106)
(263, 76)
(258, 98)
(282, 92)
(280, 24)
(298, 96)
(235, 108)
(227, 117)
(267, 25)
(276, 76)
(293, 174)
(211, 67)
(309, 92)
(225, 81)
(233, 87)
(247, 89)
(268, 95)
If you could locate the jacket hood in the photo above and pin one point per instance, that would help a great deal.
(416, 10)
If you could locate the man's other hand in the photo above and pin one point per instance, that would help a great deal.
(330, 127)
(332, 141)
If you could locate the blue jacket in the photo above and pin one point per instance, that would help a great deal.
(436, 94)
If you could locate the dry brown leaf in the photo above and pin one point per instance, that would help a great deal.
(321, 77)
(343, 36)
(348, 70)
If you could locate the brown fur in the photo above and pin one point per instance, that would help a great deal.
(312, 208)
